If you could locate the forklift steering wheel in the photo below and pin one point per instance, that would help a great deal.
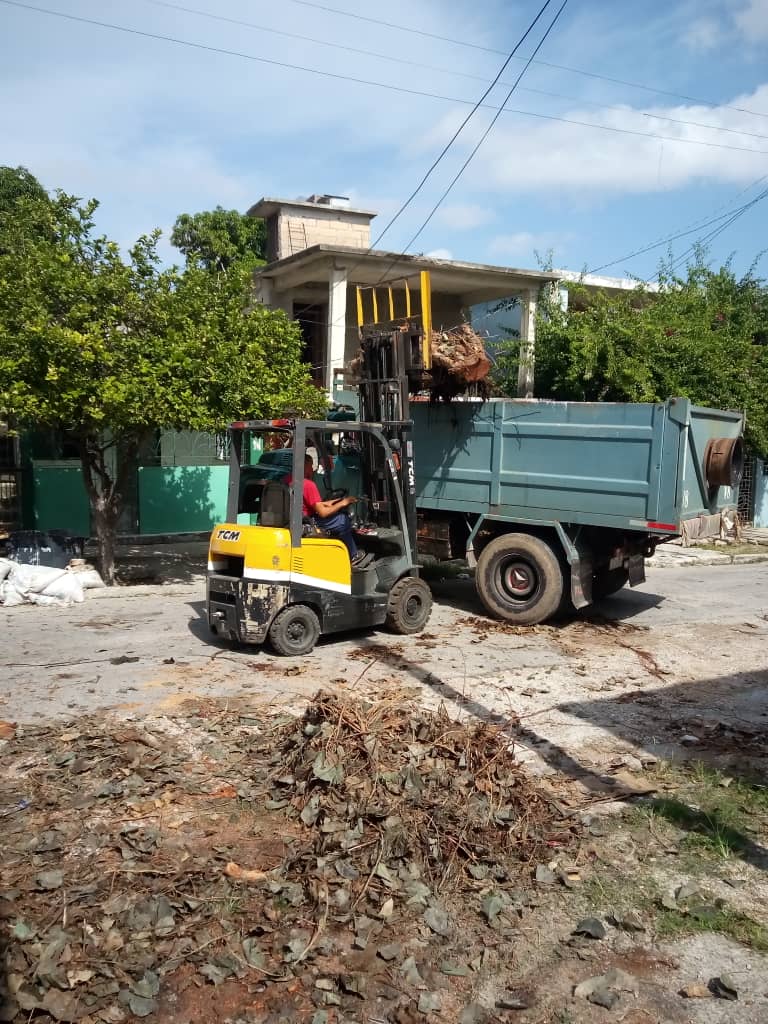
(339, 492)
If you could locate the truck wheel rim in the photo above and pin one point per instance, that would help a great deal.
(518, 579)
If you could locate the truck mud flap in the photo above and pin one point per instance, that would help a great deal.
(636, 567)
(581, 565)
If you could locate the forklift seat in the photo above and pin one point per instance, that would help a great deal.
(275, 504)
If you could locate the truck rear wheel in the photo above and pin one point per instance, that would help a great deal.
(519, 579)
(294, 631)
(409, 606)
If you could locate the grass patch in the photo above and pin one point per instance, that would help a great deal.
(735, 549)
(606, 893)
(719, 816)
(701, 817)
(672, 924)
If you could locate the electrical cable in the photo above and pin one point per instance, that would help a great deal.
(449, 71)
(443, 152)
(362, 81)
(488, 130)
(716, 232)
(543, 63)
(694, 226)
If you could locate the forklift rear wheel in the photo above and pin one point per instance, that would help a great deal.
(294, 631)
(519, 579)
(409, 605)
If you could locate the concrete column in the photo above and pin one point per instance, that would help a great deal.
(525, 373)
(264, 290)
(337, 324)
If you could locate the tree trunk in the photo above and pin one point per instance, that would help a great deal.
(104, 498)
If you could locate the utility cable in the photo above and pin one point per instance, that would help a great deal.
(488, 130)
(716, 232)
(362, 81)
(448, 71)
(443, 152)
(694, 226)
(543, 63)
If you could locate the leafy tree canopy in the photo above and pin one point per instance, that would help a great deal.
(18, 183)
(112, 348)
(702, 336)
(218, 239)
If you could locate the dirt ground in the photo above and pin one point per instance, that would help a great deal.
(596, 708)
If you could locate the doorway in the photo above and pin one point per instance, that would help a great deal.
(313, 321)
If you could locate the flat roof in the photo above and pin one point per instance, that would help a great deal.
(378, 267)
(266, 207)
(618, 284)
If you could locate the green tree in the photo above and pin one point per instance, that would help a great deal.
(111, 349)
(18, 183)
(701, 336)
(218, 239)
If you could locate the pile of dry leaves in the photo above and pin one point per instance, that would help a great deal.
(363, 861)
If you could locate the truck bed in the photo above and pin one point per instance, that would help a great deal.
(636, 466)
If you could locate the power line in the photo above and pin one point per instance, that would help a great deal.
(404, 206)
(488, 130)
(444, 71)
(542, 63)
(694, 226)
(716, 232)
(362, 81)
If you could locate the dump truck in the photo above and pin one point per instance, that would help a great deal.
(555, 504)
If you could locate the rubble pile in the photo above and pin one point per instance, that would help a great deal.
(388, 781)
(367, 860)
(458, 360)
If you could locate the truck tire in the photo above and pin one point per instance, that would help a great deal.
(409, 606)
(608, 582)
(519, 578)
(294, 631)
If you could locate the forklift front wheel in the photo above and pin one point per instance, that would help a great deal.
(409, 605)
(294, 631)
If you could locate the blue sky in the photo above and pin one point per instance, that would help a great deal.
(153, 129)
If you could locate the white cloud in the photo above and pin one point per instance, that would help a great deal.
(752, 20)
(464, 216)
(440, 254)
(522, 246)
(703, 34)
(542, 155)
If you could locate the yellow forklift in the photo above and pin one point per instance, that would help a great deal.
(272, 576)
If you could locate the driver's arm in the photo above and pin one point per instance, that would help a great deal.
(331, 507)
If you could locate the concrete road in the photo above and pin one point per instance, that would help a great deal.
(673, 658)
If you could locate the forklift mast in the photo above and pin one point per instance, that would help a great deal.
(395, 360)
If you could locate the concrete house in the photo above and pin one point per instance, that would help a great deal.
(318, 252)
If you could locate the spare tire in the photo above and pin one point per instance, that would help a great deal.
(724, 461)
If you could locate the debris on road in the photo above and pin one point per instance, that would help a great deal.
(45, 585)
(368, 856)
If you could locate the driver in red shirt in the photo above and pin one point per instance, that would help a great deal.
(329, 516)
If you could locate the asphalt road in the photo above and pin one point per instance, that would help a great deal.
(690, 642)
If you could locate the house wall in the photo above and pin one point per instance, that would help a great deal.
(760, 518)
(291, 231)
(181, 499)
(58, 498)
